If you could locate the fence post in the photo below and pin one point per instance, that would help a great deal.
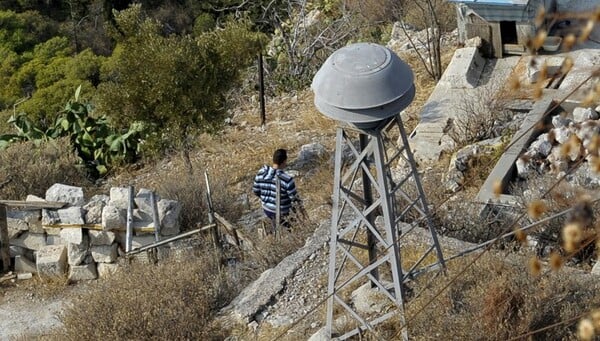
(155, 218)
(129, 233)
(211, 214)
(4, 243)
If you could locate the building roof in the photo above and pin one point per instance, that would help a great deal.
(494, 2)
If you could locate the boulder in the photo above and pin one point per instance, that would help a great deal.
(104, 253)
(76, 253)
(82, 272)
(560, 121)
(310, 154)
(583, 114)
(113, 218)
(65, 193)
(562, 134)
(53, 239)
(72, 235)
(71, 215)
(93, 209)
(168, 214)
(107, 269)
(33, 218)
(119, 197)
(52, 261)
(541, 147)
(22, 264)
(16, 227)
(101, 237)
(31, 241)
(50, 217)
(143, 201)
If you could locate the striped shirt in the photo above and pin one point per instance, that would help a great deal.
(265, 188)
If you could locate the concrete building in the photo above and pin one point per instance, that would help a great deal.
(505, 26)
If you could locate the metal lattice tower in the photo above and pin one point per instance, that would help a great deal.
(365, 86)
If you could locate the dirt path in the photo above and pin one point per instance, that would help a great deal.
(25, 314)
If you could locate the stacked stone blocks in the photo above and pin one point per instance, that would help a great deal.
(84, 238)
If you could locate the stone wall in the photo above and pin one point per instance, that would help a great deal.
(84, 238)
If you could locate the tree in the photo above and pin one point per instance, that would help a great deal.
(427, 15)
(178, 86)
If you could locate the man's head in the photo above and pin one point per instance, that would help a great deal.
(280, 157)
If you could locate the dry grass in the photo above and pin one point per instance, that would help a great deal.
(29, 169)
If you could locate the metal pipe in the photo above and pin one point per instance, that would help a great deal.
(168, 240)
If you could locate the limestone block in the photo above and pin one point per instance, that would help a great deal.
(588, 130)
(112, 218)
(541, 146)
(596, 268)
(369, 300)
(34, 198)
(93, 209)
(82, 272)
(559, 121)
(562, 134)
(76, 253)
(107, 269)
(168, 214)
(583, 114)
(52, 239)
(524, 166)
(139, 241)
(65, 193)
(72, 235)
(16, 227)
(31, 241)
(101, 237)
(143, 202)
(22, 264)
(33, 218)
(119, 197)
(139, 215)
(104, 253)
(50, 217)
(464, 70)
(52, 261)
(310, 154)
(71, 215)
(14, 251)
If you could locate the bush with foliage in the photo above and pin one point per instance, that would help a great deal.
(97, 143)
(177, 88)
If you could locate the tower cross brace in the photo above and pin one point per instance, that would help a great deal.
(374, 207)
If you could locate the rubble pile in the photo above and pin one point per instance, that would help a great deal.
(571, 139)
(84, 238)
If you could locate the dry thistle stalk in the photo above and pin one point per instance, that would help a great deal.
(538, 40)
(536, 208)
(572, 235)
(535, 266)
(587, 30)
(514, 84)
(594, 145)
(595, 164)
(568, 43)
(556, 261)
(567, 64)
(520, 235)
(540, 16)
(595, 315)
(537, 91)
(585, 330)
(497, 188)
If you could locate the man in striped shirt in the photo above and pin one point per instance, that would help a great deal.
(265, 187)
